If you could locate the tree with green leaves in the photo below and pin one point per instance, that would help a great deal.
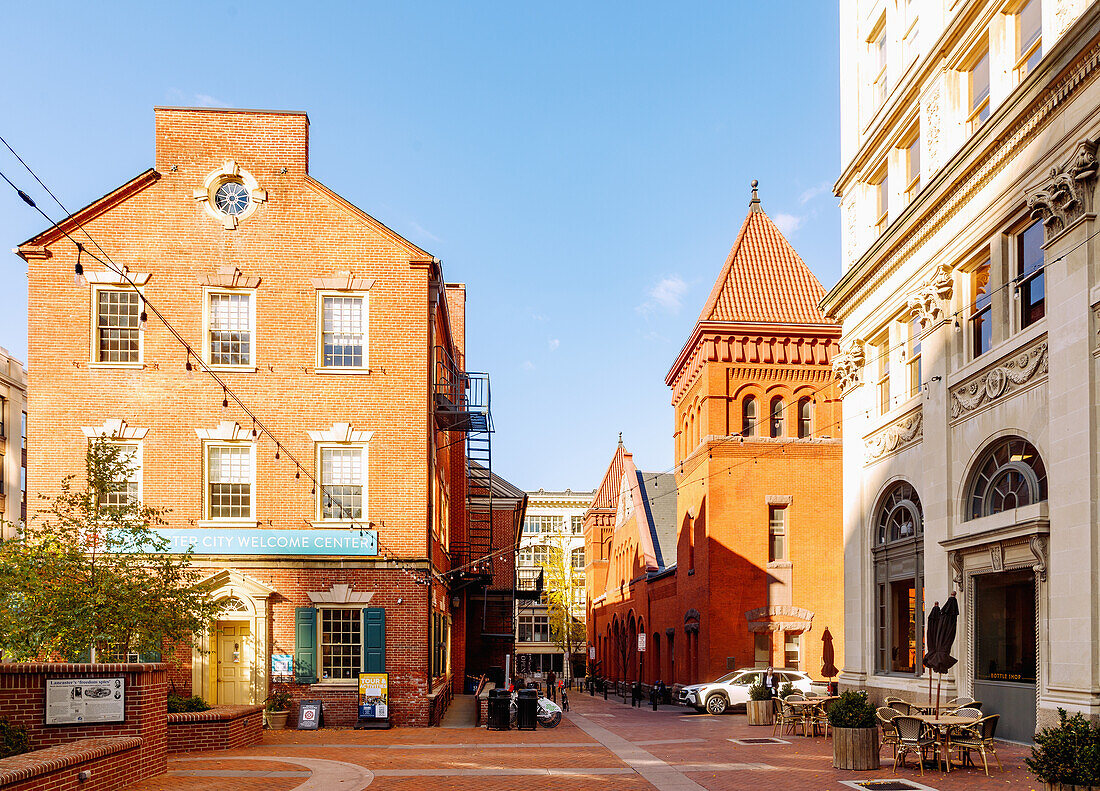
(561, 579)
(90, 577)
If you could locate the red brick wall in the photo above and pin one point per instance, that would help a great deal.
(23, 697)
(114, 763)
(220, 728)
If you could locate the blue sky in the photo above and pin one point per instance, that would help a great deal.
(582, 167)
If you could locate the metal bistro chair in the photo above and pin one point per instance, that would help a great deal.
(978, 738)
(812, 694)
(913, 736)
(885, 716)
(819, 716)
(899, 705)
(959, 702)
(968, 711)
(798, 712)
(784, 717)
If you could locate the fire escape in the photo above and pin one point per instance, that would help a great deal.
(462, 404)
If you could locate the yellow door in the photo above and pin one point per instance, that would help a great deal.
(234, 662)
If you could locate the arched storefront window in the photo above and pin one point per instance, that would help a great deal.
(898, 558)
(1010, 474)
(777, 417)
(748, 417)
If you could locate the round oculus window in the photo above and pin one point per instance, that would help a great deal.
(231, 198)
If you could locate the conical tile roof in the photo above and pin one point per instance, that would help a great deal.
(764, 279)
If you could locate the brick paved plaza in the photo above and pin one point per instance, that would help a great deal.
(600, 745)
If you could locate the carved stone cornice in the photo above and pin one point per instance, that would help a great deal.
(847, 366)
(1067, 194)
(899, 434)
(925, 305)
(1005, 378)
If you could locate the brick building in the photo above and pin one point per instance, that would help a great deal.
(13, 443)
(724, 563)
(346, 343)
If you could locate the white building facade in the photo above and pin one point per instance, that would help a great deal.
(970, 305)
(13, 444)
(554, 519)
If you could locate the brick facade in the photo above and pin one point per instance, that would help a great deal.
(704, 605)
(296, 240)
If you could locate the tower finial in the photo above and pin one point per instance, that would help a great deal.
(754, 204)
(620, 439)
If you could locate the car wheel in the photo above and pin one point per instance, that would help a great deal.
(717, 704)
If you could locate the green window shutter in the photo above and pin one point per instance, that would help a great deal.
(374, 640)
(305, 645)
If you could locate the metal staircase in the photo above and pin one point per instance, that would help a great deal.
(462, 404)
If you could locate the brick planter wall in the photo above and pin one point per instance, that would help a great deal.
(113, 763)
(23, 700)
(220, 728)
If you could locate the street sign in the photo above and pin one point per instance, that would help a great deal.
(641, 642)
(591, 652)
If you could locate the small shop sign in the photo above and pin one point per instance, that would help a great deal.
(282, 666)
(85, 701)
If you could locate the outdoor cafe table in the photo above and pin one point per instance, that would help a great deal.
(943, 723)
(804, 707)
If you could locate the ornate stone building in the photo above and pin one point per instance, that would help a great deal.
(13, 444)
(970, 304)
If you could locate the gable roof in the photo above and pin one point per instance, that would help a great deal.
(658, 491)
(607, 494)
(763, 278)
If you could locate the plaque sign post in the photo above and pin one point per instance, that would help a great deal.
(85, 701)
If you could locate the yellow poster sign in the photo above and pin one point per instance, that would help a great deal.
(374, 696)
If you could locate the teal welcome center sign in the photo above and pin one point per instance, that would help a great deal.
(257, 541)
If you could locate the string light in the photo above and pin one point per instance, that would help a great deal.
(78, 270)
(276, 452)
(189, 368)
(225, 398)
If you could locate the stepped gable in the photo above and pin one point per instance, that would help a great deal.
(763, 278)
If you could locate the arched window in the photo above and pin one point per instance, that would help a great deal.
(1010, 474)
(578, 558)
(898, 557)
(748, 417)
(805, 424)
(777, 417)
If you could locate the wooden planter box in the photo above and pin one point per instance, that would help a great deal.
(759, 711)
(855, 748)
(1062, 787)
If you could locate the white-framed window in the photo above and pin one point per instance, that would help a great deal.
(342, 470)
(882, 373)
(912, 165)
(792, 650)
(577, 523)
(127, 490)
(877, 51)
(540, 555)
(880, 185)
(116, 326)
(229, 317)
(1029, 37)
(978, 90)
(777, 532)
(980, 319)
(542, 524)
(578, 559)
(913, 356)
(534, 629)
(343, 319)
(340, 643)
(230, 469)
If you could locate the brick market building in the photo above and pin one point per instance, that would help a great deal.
(346, 343)
(724, 563)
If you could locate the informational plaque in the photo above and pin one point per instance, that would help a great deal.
(374, 700)
(85, 701)
(282, 666)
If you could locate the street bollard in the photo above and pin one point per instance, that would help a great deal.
(653, 697)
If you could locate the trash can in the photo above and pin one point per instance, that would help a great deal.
(499, 701)
(527, 705)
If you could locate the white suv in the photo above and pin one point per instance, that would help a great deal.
(732, 689)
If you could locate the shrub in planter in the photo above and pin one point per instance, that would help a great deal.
(855, 735)
(1067, 755)
(277, 708)
(13, 740)
(178, 704)
(759, 707)
(786, 689)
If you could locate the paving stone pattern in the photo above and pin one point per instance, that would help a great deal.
(634, 749)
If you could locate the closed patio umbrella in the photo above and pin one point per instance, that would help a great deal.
(942, 623)
(828, 669)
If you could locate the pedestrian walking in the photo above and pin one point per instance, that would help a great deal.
(552, 685)
(564, 700)
(636, 694)
(771, 683)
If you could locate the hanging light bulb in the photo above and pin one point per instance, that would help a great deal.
(78, 270)
(958, 327)
(187, 366)
(313, 489)
(143, 318)
(276, 451)
(225, 399)
(254, 434)
(297, 473)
